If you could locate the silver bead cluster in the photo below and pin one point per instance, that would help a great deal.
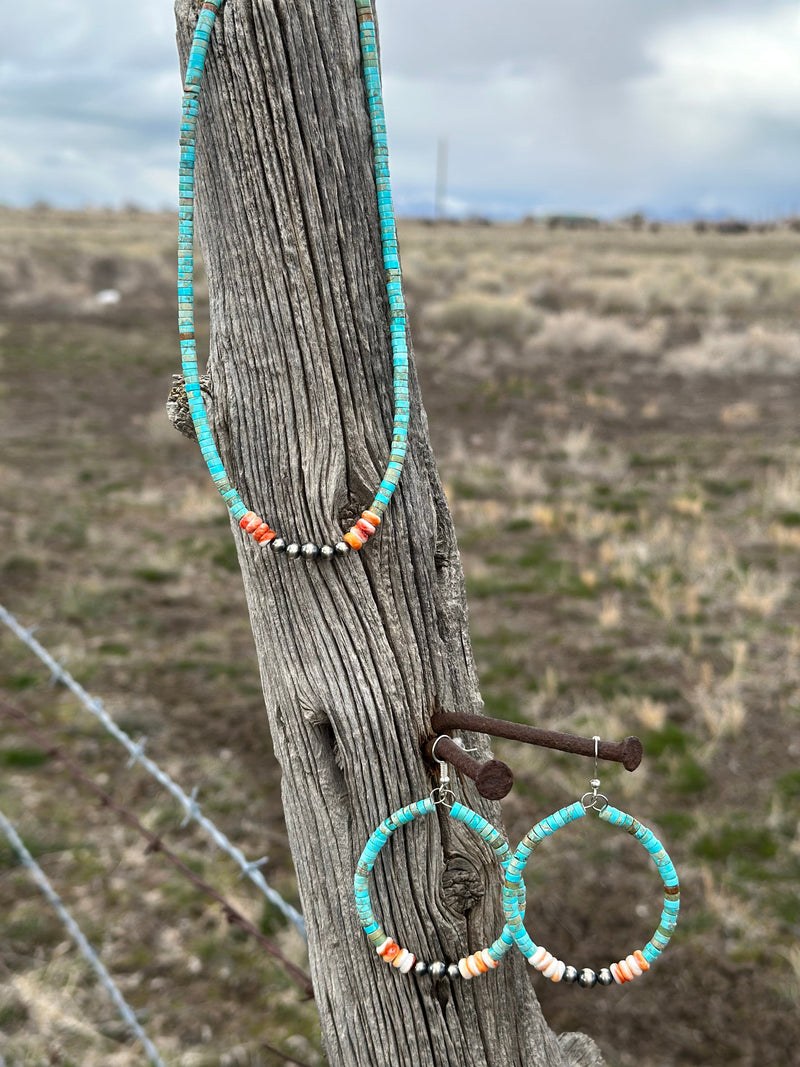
(308, 551)
(587, 977)
(437, 970)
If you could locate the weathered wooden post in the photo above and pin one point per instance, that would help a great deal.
(354, 654)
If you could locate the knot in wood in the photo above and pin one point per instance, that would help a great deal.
(178, 405)
(351, 512)
(463, 884)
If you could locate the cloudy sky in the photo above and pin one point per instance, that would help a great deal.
(677, 107)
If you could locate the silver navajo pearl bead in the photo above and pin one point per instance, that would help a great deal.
(453, 972)
(605, 977)
(278, 545)
(341, 548)
(587, 978)
(438, 970)
(420, 967)
(309, 551)
(292, 551)
(570, 974)
(326, 552)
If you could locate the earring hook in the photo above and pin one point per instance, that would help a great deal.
(439, 760)
(595, 799)
(441, 792)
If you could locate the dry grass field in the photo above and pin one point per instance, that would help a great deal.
(615, 418)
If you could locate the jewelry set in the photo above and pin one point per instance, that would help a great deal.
(340, 544)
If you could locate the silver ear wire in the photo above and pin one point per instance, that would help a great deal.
(440, 792)
(595, 799)
(444, 775)
(460, 742)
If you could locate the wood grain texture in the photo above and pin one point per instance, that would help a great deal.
(354, 655)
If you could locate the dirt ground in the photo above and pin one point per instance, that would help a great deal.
(615, 418)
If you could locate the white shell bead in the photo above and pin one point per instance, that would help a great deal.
(407, 963)
(462, 966)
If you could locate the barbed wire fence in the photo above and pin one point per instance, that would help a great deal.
(192, 813)
(135, 749)
(155, 843)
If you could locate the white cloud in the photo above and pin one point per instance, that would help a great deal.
(723, 96)
(89, 102)
(731, 64)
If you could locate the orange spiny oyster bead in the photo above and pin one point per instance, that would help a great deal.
(364, 527)
(250, 521)
(268, 535)
(259, 531)
(480, 962)
(625, 971)
(639, 957)
(392, 951)
(354, 539)
(386, 945)
(370, 516)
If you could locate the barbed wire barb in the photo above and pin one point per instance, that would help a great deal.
(193, 810)
(75, 932)
(190, 806)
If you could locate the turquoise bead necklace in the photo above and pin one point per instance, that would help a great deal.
(248, 520)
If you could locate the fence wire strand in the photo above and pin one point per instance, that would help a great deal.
(75, 932)
(135, 750)
(155, 843)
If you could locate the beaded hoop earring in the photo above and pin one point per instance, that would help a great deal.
(388, 949)
(639, 961)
